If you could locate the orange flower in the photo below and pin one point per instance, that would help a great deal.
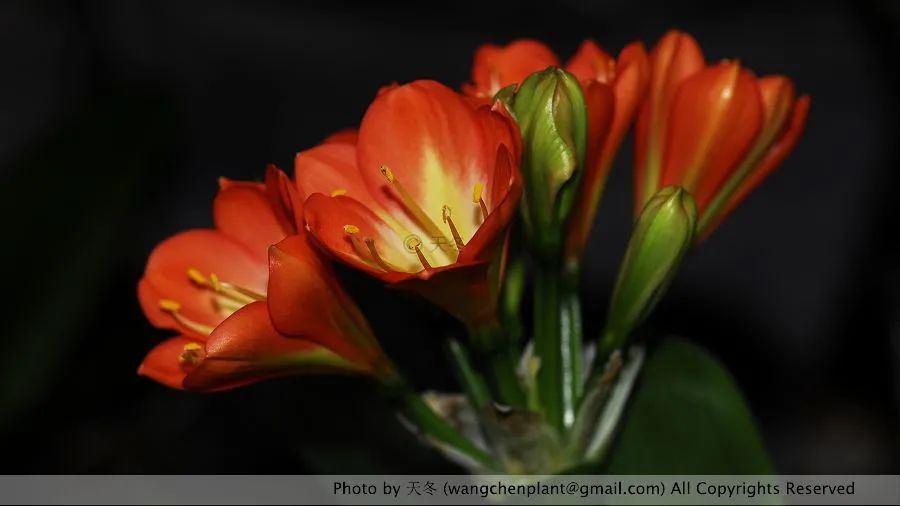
(212, 286)
(496, 67)
(422, 199)
(716, 130)
(613, 89)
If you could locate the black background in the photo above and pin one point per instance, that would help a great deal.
(116, 118)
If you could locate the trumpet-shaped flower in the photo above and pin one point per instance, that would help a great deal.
(422, 198)
(213, 287)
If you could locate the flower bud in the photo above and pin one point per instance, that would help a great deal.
(550, 109)
(662, 235)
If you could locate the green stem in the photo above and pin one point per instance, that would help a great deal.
(573, 360)
(472, 381)
(501, 359)
(433, 425)
(610, 341)
(557, 343)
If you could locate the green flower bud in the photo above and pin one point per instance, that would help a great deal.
(550, 110)
(662, 235)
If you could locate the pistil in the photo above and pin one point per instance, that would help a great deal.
(446, 216)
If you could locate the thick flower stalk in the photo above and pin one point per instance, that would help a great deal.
(569, 148)
(550, 109)
(212, 286)
(716, 130)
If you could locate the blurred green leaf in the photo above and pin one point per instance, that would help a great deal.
(687, 416)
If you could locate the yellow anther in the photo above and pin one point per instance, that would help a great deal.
(190, 354)
(338, 192)
(192, 347)
(169, 305)
(196, 276)
(351, 229)
(214, 280)
(386, 172)
(476, 193)
(445, 213)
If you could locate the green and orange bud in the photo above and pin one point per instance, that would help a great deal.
(661, 237)
(550, 109)
(716, 130)
(783, 121)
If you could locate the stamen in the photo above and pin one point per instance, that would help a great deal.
(338, 192)
(445, 215)
(214, 280)
(169, 305)
(417, 212)
(232, 291)
(229, 305)
(361, 251)
(476, 199)
(196, 276)
(370, 243)
(174, 307)
(386, 172)
(191, 354)
(237, 292)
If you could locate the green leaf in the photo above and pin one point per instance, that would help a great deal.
(687, 416)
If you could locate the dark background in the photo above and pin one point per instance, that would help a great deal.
(116, 118)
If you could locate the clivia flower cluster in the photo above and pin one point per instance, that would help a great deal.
(445, 194)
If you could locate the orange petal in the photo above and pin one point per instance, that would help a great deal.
(461, 289)
(243, 211)
(610, 113)
(434, 144)
(715, 119)
(305, 301)
(330, 220)
(778, 101)
(346, 136)
(591, 63)
(246, 348)
(331, 169)
(208, 251)
(674, 58)
(285, 200)
(600, 101)
(500, 129)
(506, 187)
(496, 67)
(162, 363)
(773, 158)
(630, 88)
